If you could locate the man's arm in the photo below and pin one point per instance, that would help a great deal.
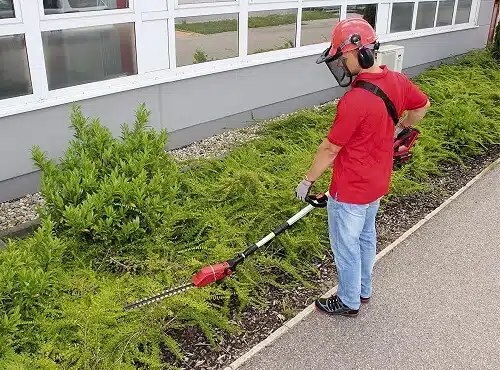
(414, 116)
(347, 120)
(323, 160)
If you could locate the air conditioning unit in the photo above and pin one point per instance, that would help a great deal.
(391, 56)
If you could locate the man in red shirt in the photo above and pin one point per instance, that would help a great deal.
(360, 146)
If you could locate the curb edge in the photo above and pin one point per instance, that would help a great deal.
(21, 230)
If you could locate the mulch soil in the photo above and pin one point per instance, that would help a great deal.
(395, 218)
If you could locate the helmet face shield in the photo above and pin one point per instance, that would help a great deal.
(349, 35)
(325, 56)
(340, 71)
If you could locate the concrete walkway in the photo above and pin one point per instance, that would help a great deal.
(436, 302)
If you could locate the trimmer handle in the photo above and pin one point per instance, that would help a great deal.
(319, 200)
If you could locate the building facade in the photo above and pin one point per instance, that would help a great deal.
(201, 66)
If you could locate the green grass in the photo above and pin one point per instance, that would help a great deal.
(229, 25)
(61, 296)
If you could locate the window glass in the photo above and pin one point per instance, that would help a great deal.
(82, 55)
(206, 38)
(271, 30)
(6, 9)
(445, 13)
(15, 77)
(463, 11)
(368, 12)
(72, 6)
(402, 17)
(426, 13)
(317, 24)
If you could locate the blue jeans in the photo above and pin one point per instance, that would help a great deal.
(353, 240)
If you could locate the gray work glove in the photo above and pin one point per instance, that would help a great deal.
(302, 189)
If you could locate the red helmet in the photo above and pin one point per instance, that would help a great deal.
(349, 34)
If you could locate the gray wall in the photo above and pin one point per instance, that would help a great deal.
(195, 108)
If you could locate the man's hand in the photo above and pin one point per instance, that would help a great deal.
(303, 188)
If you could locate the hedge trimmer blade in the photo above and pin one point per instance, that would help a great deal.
(212, 273)
(159, 297)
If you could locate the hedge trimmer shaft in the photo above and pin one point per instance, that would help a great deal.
(212, 273)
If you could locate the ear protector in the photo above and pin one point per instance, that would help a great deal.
(366, 57)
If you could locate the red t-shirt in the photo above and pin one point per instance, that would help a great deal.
(364, 129)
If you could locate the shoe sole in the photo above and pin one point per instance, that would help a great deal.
(365, 301)
(336, 314)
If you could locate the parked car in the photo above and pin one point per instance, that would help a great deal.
(73, 6)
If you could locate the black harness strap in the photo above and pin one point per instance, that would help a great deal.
(377, 91)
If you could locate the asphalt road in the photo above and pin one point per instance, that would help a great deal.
(436, 302)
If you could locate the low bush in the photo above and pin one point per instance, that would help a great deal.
(113, 191)
(63, 305)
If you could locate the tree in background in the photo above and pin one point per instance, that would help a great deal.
(495, 47)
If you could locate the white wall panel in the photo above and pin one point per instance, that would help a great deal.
(154, 40)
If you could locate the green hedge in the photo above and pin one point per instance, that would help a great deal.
(122, 222)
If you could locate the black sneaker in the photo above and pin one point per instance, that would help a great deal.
(364, 300)
(334, 306)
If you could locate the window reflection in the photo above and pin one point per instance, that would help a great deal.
(83, 55)
(271, 30)
(74, 6)
(368, 12)
(206, 38)
(317, 24)
(15, 77)
(7, 9)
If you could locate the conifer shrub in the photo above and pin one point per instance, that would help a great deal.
(58, 310)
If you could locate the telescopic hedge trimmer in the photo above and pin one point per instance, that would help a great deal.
(212, 273)
(403, 141)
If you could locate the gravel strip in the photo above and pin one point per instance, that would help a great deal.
(219, 145)
(19, 211)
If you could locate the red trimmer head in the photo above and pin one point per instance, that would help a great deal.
(211, 273)
(403, 142)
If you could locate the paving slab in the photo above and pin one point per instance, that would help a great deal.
(436, 301)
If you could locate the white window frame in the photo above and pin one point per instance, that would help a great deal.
(31, 20)
(10, 28)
